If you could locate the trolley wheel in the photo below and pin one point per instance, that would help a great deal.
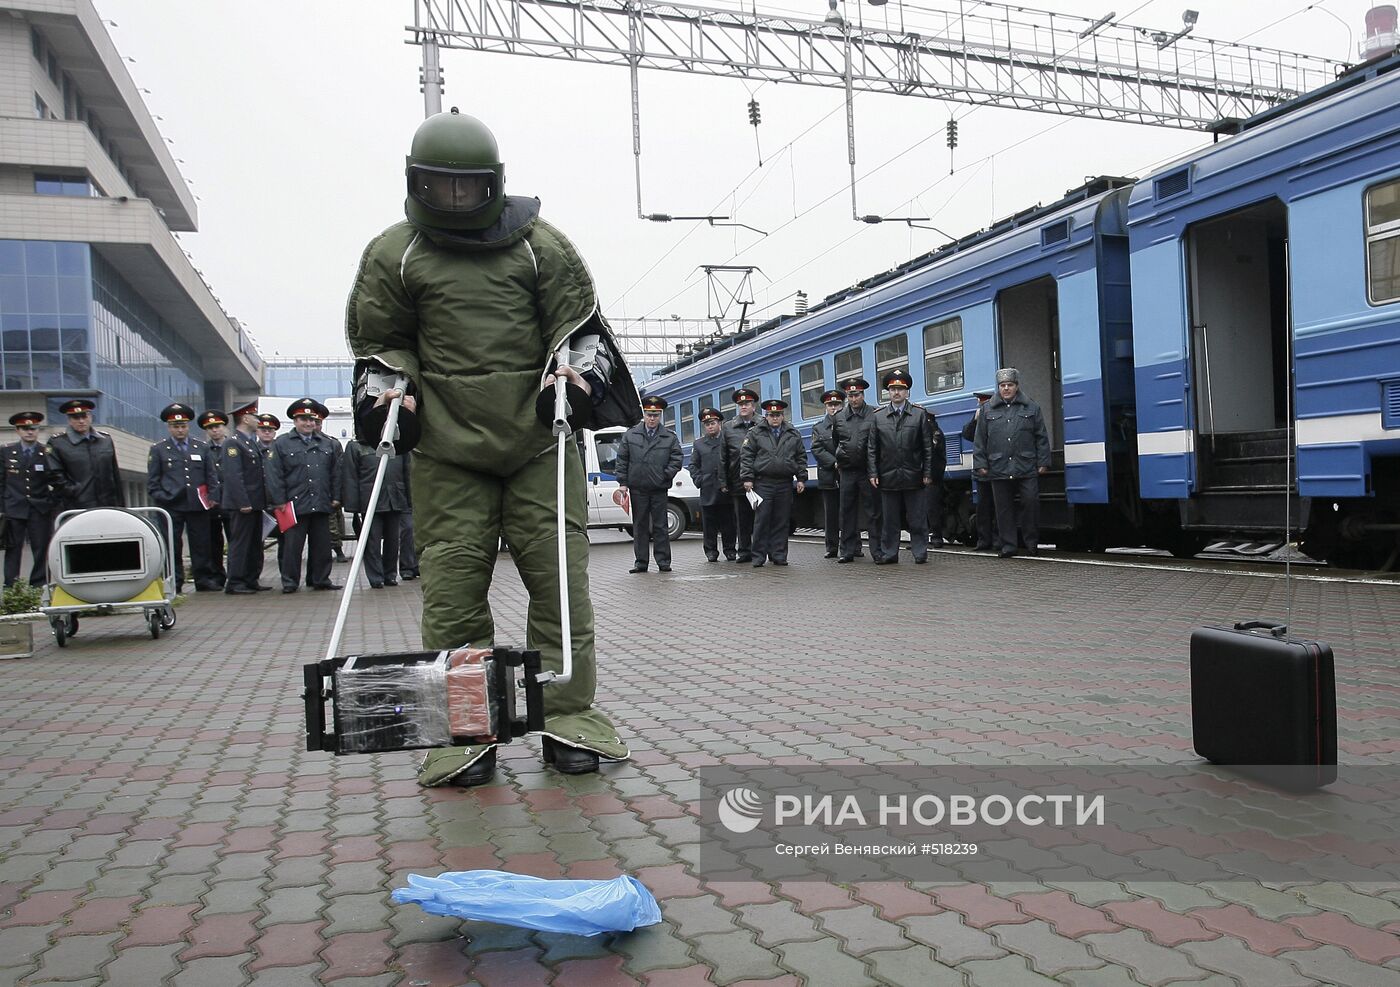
(154, 621)
(167, 618)
(72, 625)
(60, 631)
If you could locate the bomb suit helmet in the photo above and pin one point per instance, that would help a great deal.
(456, 180)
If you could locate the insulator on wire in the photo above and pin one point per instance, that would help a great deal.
(754, 117)
(952, 134)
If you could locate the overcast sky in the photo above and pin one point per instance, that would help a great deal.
(291, 120)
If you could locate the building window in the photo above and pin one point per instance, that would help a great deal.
(688, 421)
(785, 386)
(813, 378)
(77, 185)
(36, 43)
(41, 109)
(53, 68)
(1383, 242)
(848, 365)
(943, 356)
(890, 354)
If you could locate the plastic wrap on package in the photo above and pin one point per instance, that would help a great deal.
(392, 707)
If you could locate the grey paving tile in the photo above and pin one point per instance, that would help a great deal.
(735, 956)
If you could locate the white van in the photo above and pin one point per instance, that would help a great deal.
(605, 510)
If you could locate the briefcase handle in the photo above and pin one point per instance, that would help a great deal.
(1274, 627)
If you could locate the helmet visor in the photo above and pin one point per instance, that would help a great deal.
(451, 190)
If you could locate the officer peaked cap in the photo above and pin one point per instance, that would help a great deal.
(984, 395)
(267, 420)
(897, 378)
(833, 397)
(78, 406)
(305, 408)
(744, 394)
(212, 417)
(177, 413)
(774, 404)
(653, 402)
(710, 414)
(855, 383)
(251, 408)
(26, 418)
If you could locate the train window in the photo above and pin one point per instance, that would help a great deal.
(675, 417)
(943, 356)
(1383, 242)
(848, 365)
(890, 354)
(726, 405)
(688, 421)
(757, 387)
(785, 386)
(813, 378)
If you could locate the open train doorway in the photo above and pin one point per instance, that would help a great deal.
(1028, 325)
(1238, 271)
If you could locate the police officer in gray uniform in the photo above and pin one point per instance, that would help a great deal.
(734, 432)
(243, 499)
(709, 469)
(28, 501)
(771, 458)
(901, 468)
(181, 480)
(648, 459)
(84, 462)
(824, 452)
(304, 471)
(860, 503)
(986, 535)
(382, 530)
(1013, 452)
(215, 426)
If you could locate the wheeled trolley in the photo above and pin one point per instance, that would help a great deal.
(110, 560)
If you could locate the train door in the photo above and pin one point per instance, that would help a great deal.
(1028, 326)
(1237, 269)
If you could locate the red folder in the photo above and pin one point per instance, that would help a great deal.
(203, 491)
(286, 516)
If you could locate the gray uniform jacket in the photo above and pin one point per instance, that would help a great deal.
(709, 469)
(764, 458)
(824, 450)
(648, 463)
(939, 462)
(852, 432)
(734, 433)
(26, 483)
(173, 477)
(1012, 441)
(901, 448)
(360, 466)
(241, 480)
(304, 473)
(85, 470)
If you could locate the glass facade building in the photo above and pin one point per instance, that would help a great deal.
(70, 324)
(319, 379)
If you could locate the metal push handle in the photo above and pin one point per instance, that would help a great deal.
(562, 431)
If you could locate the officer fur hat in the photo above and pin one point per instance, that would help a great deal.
(305, 408)
(1008, 375)
(268, 420)
(774, 404)
(744, 394)
(177, 414)
(653, 402)
(710, 415)
(855, 383)
(897, 378)
(833, 397)
(26, 419)
(212, 417)
(78, 406)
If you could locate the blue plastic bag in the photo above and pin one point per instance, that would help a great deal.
(584, 908)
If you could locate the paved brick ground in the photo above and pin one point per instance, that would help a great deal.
(159, 822)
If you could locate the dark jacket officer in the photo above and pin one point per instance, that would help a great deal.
(648, 459)
(735, 431)
(709, 467)
(900, 451)
(771, 458)
(1011, 439)
(176, 470)
(304, 471)
(852, 433)
(824, 442)
(84, 462)
(27, 500)
(241, 474)
(360, 466)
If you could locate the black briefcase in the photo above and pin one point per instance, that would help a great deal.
(1265, 702)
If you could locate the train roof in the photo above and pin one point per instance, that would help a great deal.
(1076, 203)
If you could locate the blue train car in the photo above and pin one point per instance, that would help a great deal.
(1273, 253)
(1045, 291)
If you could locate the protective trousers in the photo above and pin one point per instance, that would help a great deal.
(860, 508)
(649, 526)
(461, 517)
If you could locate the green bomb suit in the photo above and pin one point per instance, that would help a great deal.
(472, 317)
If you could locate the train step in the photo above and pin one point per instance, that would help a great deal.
(1251, 548)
